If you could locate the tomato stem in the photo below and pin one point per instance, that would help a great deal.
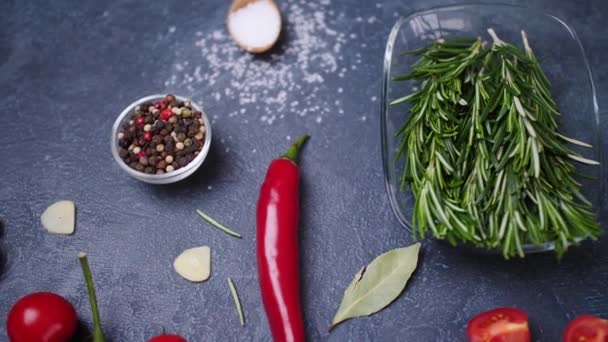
(86, 270)
(292, 152)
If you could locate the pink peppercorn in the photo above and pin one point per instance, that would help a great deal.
(160, 105)
(140, 121)
(166, 114)
(147, 136)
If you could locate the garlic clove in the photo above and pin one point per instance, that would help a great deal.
(194, 264)
(59, 218)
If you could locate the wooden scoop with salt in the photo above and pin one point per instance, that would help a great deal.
(254, 25)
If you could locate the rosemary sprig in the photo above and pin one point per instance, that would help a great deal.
(482, 152)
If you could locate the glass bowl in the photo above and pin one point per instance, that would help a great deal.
(169, 177)
(554, 43)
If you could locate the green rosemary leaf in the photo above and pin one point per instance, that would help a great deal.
(482, 153)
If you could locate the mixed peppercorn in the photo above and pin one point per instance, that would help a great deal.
(161, 137)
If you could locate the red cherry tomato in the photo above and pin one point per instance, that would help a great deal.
(499, 325)
(167, 338)
(587, 328)
(41, 317)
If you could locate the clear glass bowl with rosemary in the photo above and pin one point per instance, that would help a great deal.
(490, 129)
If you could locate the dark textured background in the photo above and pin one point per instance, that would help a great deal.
(68, 68)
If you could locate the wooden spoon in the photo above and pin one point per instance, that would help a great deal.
(239, 4)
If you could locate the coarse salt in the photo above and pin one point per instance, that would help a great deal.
(256, 25)
(290, 82)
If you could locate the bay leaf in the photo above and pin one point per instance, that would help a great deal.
(376, 285)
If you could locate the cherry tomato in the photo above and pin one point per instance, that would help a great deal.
(167, 338)
(499, 325)
(587, 328)
(41, 317)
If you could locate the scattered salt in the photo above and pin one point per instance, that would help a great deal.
(257, 25)
(172, 29)
(374, 99)
(287, 82)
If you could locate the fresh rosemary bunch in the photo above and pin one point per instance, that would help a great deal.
(482, 152)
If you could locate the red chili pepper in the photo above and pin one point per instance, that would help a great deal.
(277, 246)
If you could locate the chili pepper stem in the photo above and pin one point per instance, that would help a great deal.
(292, 152)
(86, 270)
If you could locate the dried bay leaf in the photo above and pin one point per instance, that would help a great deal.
(376, 285)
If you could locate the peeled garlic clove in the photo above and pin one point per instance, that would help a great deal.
(194, 264)
(59, 217)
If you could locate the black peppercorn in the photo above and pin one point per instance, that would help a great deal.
(139, 167)
(170, 147)
(157, 139)
(124, 143)
(123, 153)
(161, 164)
(182, 161)
(149, 170)
(169, 98)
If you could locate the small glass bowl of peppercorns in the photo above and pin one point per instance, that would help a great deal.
(161, 139)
